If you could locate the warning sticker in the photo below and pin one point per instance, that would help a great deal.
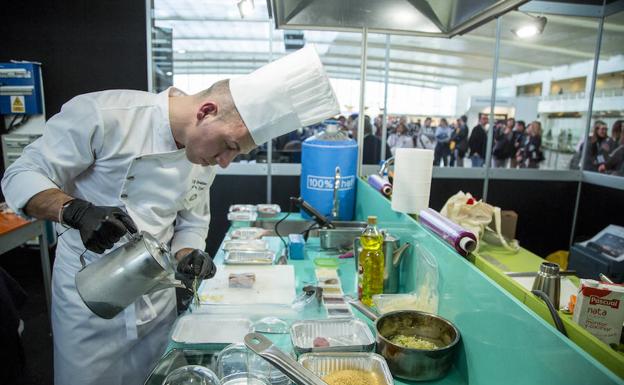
(18, 105)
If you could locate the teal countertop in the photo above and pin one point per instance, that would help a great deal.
(503, 341)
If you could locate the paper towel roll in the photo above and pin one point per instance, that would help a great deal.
(412, 179)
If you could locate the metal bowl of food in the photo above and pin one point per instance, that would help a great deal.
(418, 346)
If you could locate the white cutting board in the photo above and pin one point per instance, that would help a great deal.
(274, 285)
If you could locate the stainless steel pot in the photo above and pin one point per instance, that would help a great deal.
(140, 266)
(414, 364)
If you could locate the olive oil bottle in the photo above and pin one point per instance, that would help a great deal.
(370, 263)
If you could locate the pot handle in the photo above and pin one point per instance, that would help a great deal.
(366, 310)
(263, 347)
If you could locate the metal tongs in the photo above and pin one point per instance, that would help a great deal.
(263, 347)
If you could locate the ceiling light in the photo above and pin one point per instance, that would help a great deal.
(181, 51)
(532, 28)
(169, 73)
(245, 7)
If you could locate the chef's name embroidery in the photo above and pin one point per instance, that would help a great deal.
(197, 186)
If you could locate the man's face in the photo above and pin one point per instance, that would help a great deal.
(519, 127)
(214, 141)
(484, 120)
(427, 122)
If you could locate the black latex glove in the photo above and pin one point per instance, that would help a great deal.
(198, 264)
(100, 226)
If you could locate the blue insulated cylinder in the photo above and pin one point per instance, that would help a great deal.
(320, 155)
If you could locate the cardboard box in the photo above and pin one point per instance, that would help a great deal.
(600, 309)
(509, 221)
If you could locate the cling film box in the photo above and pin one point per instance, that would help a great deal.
(600, 309)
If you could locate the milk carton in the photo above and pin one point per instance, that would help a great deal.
(600, 309)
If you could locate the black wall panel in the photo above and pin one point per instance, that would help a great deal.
(599, 207)
(443, 189)
(84, 46)
(545, 211)
(227, 190)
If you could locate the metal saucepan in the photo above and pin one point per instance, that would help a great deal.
(263, 347)
(414, 364)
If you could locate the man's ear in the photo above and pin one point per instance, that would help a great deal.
(207, 109)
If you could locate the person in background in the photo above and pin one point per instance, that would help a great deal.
(400, 139)
(372, 144)
(531, 152)
(378, 123)
(599, 147)
(425, 137)
(459, 142)
(443, 137)
(517, 139)
(616, 134)
(342, 122)
(477, 142)
(614, 163)
(503, 145)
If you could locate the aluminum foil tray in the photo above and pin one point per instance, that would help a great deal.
(344, 335)
(323, 364)
(245, 245)
(237, 257)
(208, 329)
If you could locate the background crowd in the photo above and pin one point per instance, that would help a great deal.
(516, 143)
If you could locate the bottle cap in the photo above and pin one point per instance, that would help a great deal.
(372, 220)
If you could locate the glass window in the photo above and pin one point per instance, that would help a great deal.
(542, 89)
(605, 144)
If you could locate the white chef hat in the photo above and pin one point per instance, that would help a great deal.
(284, 95)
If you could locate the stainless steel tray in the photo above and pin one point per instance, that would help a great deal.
(240, 257)
(323, 364)
(344, 335)
(208, 329)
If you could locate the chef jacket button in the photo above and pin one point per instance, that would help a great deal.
(124, 195)
(131, 177)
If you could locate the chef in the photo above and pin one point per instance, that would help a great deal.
(114, 162)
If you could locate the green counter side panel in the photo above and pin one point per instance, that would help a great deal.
(493, 261)
(503, 341)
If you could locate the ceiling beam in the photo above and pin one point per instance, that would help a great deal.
(442, 52)
(332, 74)
(584, 23)
(333, 67)
(532, 46)
(397, 47)
(337, 64)
(210, 19)
(378, 73)
(263, 56)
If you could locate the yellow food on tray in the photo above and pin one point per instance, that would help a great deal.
(412, 342)
(351, 377)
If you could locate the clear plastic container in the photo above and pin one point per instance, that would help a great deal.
(236, 363)
(268, 210)
(242, 216)
(248, 233)
(192, 375)
(243, 208)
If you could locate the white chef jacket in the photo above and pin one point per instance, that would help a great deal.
(113, 148)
